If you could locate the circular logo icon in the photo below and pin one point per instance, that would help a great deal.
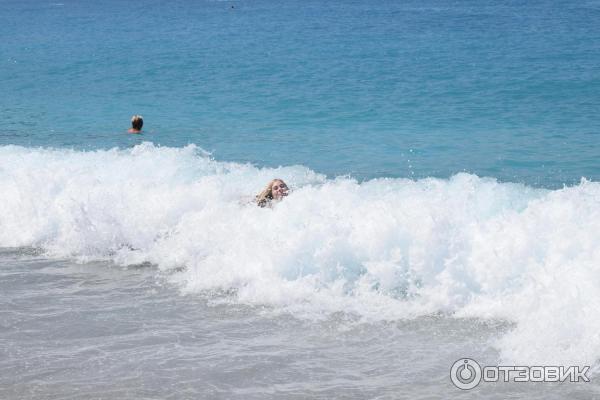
(465, 373)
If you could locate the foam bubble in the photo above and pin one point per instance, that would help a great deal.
(383, 249)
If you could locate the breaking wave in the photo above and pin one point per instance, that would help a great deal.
(382, 249)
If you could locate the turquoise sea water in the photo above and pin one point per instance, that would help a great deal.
(505, 89)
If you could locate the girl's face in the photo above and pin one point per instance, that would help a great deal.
(279, 190)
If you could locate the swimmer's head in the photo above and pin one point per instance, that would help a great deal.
(275, 190)
(137, 122)
(278, 189)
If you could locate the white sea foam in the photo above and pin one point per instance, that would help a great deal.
(383, 249)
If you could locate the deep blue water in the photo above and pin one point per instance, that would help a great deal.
(507, 89)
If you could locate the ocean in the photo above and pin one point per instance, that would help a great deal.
(443, 161)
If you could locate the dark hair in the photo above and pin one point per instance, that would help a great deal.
(137, 122)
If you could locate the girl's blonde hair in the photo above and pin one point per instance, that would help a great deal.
(264, 198)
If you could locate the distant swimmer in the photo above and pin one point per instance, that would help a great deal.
(136, 124)
(275, 191)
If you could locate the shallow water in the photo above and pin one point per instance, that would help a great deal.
(101, 331)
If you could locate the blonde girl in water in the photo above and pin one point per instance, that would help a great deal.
(275, 191)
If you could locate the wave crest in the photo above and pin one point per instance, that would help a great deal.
(384, 249)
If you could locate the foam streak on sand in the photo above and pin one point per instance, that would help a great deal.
(383, 249)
